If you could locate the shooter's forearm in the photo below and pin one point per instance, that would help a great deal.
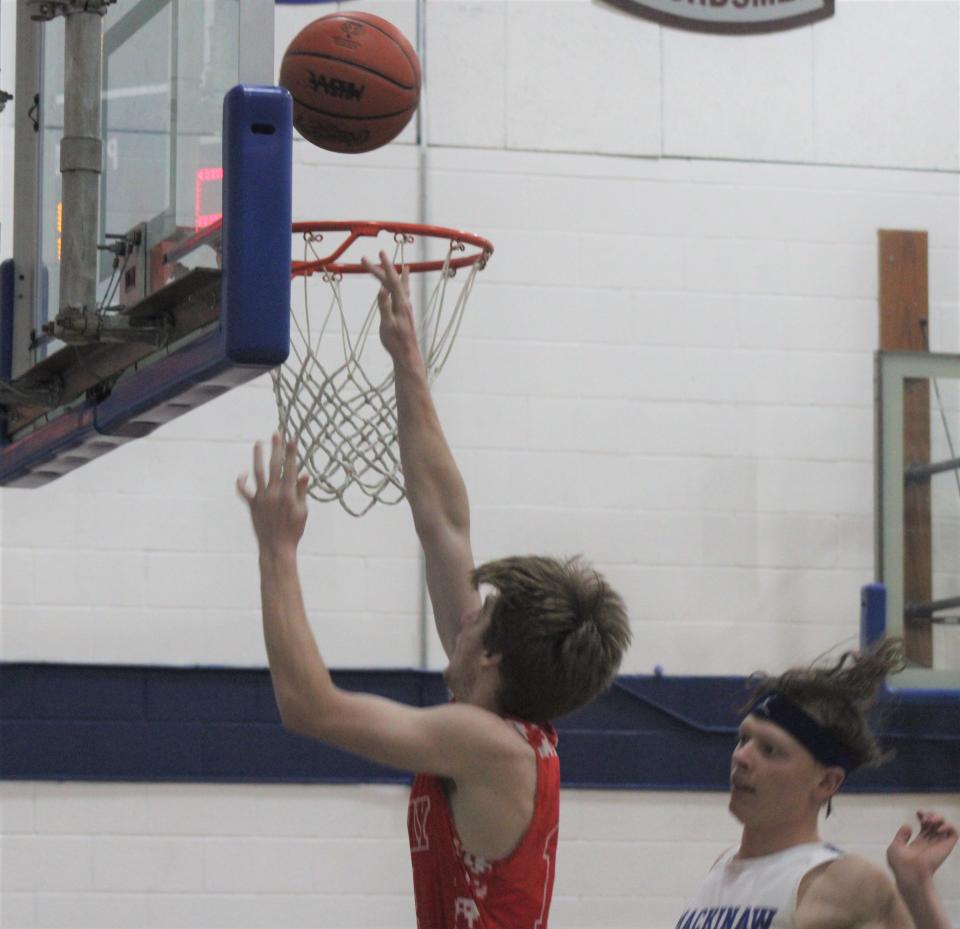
(435, 487)
(301, 681)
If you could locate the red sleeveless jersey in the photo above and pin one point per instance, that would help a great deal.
(456, 890)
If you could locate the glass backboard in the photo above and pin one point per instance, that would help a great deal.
(166, 66)
(167, 277)
(918, 496)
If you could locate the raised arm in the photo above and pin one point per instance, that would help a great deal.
(448, 741)
(914, 864)
(435, 488)
(854, 893)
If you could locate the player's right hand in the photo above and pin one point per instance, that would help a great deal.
(914, 863)
(397, 330)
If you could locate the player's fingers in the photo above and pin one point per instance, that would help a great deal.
(392, 281)
(903, 835)
(276, 458)
(258, 479)
(290, 464)
(929, 820)
(939, 825)
(242, 487)
(383, 294)
(373, 269)
(302, 483)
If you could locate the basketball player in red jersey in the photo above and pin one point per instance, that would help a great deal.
(484, 808)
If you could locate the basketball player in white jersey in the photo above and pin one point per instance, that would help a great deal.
(804, 732)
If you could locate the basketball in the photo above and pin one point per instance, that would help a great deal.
(355, 81)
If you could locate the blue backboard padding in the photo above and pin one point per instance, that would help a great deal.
(90, 722)
(200, 362)
(7, 293)
(873, 613)
(194, 375)
(188, 378)
(257, 170)
(41, 449)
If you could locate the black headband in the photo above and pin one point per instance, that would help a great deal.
(820, 742)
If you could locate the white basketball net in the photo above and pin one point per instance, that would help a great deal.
(342, 414)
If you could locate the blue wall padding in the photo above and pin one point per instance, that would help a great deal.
(257, 223)
(91, 722)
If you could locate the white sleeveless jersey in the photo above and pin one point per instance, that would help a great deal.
(754, 893)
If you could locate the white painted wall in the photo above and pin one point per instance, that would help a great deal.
(666, 366)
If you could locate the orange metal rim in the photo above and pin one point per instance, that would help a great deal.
(358, 229)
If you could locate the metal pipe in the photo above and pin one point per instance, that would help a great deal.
(81, 158)
(915, 474)
(29, 295)
(926, 609)
(423, 216)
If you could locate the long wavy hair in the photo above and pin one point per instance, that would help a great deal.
(840, 696)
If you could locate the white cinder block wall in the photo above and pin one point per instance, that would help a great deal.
(666, 366)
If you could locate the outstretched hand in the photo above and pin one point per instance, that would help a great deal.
(914, 863)
(278, 502)
(397, 331)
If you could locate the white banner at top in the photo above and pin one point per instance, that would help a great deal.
(730, 15)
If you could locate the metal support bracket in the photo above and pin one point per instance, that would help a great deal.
(926, 611)
(916, 473)
(83, 325)
(45, 10)
(46, 395)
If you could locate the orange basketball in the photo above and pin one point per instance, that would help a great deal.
(355, 81)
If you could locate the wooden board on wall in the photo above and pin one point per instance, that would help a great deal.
(904, 312)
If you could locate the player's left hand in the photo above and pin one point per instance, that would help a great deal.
(914, 863)
(278, 503)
